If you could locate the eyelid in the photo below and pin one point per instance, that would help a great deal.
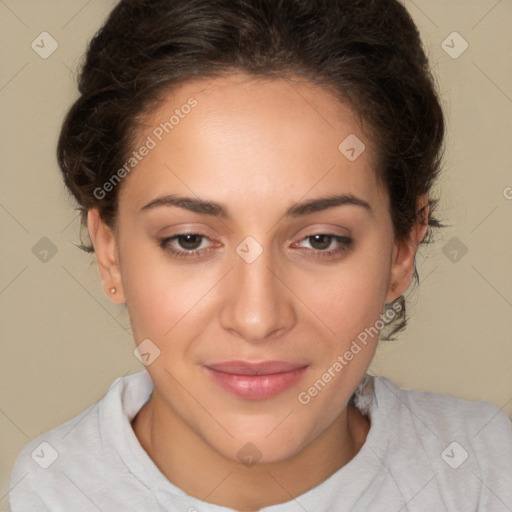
(166, 245)
(324, 228)
(170, 238)
(321, 229)
(343, 242)
(184, 228)
(332, 235)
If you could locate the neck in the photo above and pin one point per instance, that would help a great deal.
(195, 467)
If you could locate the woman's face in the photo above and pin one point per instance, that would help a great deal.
(246, 234)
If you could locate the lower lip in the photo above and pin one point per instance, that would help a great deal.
(256, 387)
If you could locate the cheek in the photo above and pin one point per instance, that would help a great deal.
(162, 296)
(155, 297)
(347, 297)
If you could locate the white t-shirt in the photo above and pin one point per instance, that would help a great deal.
(424, 452)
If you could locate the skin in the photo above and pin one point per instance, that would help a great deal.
(256, 147)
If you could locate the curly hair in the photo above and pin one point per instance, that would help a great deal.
(368, 52)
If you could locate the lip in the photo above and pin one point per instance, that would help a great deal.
(256, 381)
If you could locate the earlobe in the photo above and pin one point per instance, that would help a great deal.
(404, 253)
(105, 248)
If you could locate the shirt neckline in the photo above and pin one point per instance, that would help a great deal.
(128, 394)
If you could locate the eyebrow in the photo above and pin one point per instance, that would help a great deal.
(296, 210)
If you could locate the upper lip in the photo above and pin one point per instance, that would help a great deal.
(261, 368)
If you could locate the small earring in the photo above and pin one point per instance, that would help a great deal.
(113, 290)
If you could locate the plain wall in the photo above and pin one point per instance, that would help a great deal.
(64, 343)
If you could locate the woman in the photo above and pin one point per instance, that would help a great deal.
(256, 178)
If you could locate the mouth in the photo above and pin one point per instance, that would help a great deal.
(255, 381)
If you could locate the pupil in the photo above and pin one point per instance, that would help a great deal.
(190, 242)
(320, 241)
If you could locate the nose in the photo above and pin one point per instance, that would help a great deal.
(257, 305)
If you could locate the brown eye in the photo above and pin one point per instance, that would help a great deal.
(320, 242)
(325, 245)
(186, 245)
(189, 242)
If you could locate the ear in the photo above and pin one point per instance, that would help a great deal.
(404, 253)
(105, 248)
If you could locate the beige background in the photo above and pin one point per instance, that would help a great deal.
(63, 342)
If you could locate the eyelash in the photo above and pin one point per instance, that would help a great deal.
(165, 244)
(345, 243)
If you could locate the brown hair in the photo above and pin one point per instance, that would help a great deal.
(368, 51)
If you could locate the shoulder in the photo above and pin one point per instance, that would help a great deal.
(464, 446)
(445, 416)
(40, 467)
(67, 456)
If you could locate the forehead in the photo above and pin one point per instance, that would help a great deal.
(238, 134)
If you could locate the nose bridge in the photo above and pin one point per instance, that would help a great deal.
(257, 305)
